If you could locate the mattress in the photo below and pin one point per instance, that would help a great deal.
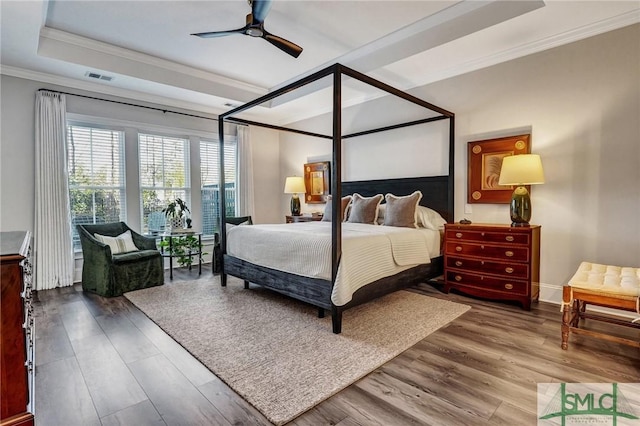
(369, 252)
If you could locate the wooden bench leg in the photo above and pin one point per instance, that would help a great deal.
(566, 316)
(578, 306)
(320, 312)
(246, 285)
(223, 280)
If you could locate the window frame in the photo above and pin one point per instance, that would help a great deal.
(186, 161)
(121, 189)
(230, 140)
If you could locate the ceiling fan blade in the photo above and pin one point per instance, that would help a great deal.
(282, 44)
(259, 10)
(213, 34)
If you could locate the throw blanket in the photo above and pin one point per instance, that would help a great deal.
(369, 252)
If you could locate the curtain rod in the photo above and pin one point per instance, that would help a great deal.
(128, 104)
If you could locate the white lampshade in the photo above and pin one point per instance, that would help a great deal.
(294, 185)
(524, 169)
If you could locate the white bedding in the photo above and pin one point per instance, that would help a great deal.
(369, 252)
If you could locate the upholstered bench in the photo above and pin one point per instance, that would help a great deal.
(609, 286)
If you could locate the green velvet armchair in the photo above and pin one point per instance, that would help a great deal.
(110, 274)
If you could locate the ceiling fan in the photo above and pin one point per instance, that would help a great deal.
(255, 28)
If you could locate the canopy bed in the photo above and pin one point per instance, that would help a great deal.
(437, 194)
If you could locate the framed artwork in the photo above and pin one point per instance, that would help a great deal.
(316, 181)
(485, 161)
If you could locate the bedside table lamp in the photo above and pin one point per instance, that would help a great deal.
(520, 170)
(295, 185)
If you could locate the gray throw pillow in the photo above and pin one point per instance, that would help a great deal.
(364, 209)
(401, 211)
(326, 217)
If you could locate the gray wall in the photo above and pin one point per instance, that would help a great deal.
(581, 104)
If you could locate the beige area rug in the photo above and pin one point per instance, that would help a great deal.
(275, 352)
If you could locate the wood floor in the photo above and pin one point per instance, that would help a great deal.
(101, 361)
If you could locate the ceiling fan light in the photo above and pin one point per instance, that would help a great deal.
(254, 32)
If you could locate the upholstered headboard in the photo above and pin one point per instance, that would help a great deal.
(435, 190)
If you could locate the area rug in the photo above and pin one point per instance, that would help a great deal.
(275, 352)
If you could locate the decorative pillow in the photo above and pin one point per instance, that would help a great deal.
(122, 243)
(430, 219)
(401, 211)
(326, 217)
(364, 209)
(381, 211)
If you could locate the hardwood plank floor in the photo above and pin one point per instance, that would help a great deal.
(102, 361)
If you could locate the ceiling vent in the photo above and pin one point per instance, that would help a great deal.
(98, 76)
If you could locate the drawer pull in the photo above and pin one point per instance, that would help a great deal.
(458, 263)
(508, 270)
(458, 278)
(509, 238)
(508, 253)
(458, 248)
(458, 234)
(508, 286)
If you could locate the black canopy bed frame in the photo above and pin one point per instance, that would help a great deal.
(437, 194)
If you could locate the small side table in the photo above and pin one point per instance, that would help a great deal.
(190, 253)
(302, 218)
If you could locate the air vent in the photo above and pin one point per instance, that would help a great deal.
(98, 76)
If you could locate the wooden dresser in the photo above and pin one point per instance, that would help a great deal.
(17, 336)
(493, 261)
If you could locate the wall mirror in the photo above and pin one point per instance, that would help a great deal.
(316, 180)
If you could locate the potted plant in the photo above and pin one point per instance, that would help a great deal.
(184, 249)
(175, 213)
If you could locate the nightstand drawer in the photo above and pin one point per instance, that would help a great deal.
(488, 251)
(488, 283)
(515, 270)
(488, 236)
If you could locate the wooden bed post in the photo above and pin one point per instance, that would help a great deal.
(221, 206)
(336, 319)
(336, 190)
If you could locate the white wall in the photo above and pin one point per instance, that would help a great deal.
(266, 175)
(17, 152)
(581, 104)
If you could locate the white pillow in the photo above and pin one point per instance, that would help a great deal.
(122, 243)
(429, 218)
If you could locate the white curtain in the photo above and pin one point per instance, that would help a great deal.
(244, 194)
(53, 249)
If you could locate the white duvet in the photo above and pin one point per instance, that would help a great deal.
(369, 252)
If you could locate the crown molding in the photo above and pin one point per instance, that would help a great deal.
(103, 89)
(537, 46)
(597, 28)
(149, 60)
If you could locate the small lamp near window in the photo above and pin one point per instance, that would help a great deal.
(295, 185)
(521, 170)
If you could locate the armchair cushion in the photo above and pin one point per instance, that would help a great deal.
(122, 243)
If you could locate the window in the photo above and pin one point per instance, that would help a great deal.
(164, 176)
(95, 160)
(210, 182)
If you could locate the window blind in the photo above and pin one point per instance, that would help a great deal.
(210, 182)
(164, 176)
(95, 162)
